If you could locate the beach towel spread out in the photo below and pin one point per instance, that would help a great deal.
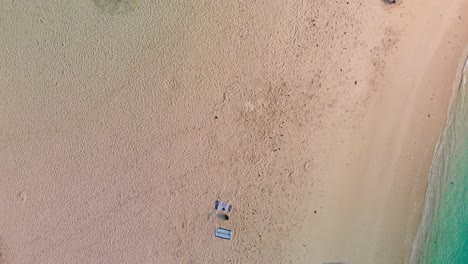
(223, 206)
(223, 233)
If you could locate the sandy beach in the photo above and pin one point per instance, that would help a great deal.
(123, 121)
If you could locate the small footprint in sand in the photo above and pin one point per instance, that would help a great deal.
(249, 106)
(308, 165)
(23, 196)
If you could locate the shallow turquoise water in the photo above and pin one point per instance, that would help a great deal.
(443, 233)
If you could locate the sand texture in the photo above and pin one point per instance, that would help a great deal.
(122, 121)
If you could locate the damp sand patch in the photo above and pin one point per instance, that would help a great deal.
(116, 7)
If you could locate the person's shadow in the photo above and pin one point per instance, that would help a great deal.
(223, 216)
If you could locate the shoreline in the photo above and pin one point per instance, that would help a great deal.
(428, 207)
(386, 182)
(123, 122)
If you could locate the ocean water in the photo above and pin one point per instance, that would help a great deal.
(443, 232)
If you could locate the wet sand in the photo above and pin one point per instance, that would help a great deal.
(123, 121)
(379, 175)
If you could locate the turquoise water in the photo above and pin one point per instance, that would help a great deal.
(443, 232)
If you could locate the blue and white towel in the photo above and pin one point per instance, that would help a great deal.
(223, 233)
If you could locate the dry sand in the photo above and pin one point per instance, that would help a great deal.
(122, 121)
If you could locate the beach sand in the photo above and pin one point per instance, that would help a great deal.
(123, 121)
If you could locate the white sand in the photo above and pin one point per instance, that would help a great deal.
(122, 121)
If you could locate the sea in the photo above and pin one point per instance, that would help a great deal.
(442, 236)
